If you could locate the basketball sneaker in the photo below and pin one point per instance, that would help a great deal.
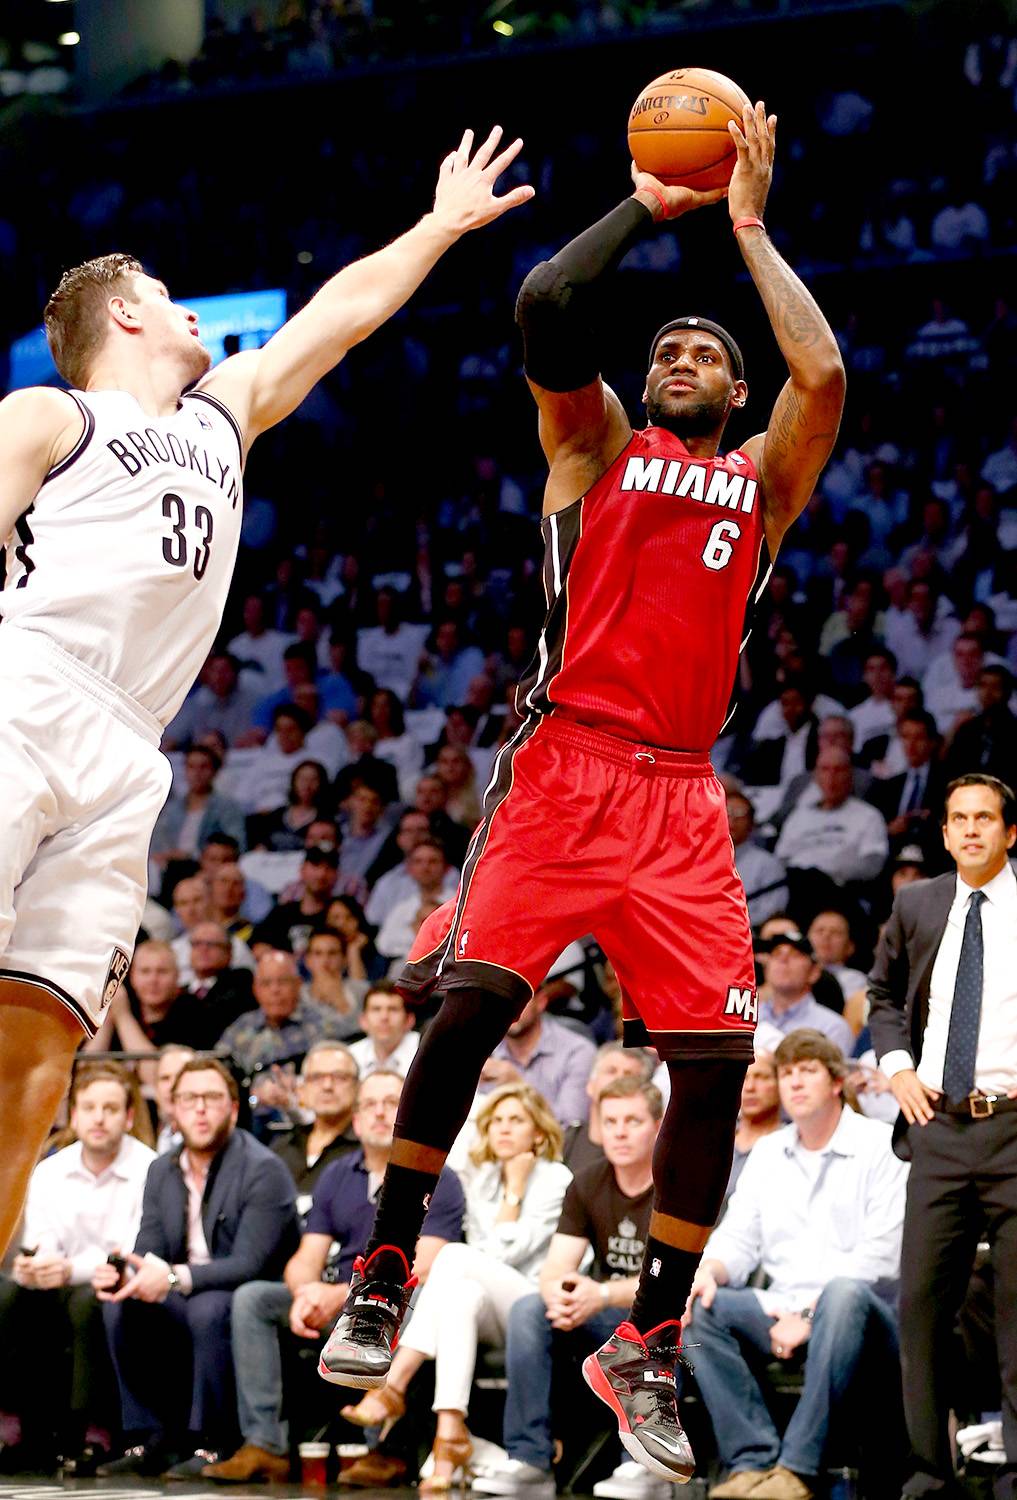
(635, 1375)
(360, 1347)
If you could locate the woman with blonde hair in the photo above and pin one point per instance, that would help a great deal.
(514, 1190)
(454, 766)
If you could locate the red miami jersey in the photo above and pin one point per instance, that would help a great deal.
(651, 578)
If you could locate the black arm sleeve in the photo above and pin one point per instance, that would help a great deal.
(557, 303)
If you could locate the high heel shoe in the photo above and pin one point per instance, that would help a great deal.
(457, 1451)
(381, 1407)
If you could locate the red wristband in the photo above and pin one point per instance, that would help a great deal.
(747, 224)
(657, 194)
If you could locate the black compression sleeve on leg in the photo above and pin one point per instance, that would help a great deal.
(556, 303)
(691, 1167)
(436, 1098)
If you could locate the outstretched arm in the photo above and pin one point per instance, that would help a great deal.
(263, 387)
(582, 423)
(803, 427)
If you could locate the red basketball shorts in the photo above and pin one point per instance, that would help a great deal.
(585, 833)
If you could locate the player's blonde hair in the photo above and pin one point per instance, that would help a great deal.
(549, 1133)
(75, 317)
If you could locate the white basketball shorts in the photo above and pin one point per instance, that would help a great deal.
(82, 781)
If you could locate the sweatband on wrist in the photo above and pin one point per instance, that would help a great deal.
(659, 196)
(747, 224)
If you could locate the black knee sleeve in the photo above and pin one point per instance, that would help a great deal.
(443, 1077)
(695, 1145)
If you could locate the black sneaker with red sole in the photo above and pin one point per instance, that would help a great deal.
(360, 1347)
(636, 1375)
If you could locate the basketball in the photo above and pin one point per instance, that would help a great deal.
(678, 128)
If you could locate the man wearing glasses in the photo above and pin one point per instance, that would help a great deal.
(327, 1089)
(217, 1213)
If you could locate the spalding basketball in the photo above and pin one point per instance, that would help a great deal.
(678, 128)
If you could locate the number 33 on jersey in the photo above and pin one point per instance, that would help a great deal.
(125, 557)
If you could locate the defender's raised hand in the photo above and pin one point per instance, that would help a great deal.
(464, 198)
(750, 182)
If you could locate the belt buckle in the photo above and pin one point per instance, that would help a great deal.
(981, 1105)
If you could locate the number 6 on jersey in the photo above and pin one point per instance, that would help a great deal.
(717, 552)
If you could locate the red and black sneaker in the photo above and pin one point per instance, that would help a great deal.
(635, 1375)
(360, 1347)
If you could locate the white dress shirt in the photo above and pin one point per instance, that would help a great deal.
(84, 1216)
(398, 885)
(757, 870)
(807, 1217)
(996, 1060)
(398, 1061)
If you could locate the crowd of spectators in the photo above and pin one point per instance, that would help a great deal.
(329, 768)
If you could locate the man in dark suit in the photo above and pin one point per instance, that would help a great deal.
(217, 1213)
(912, 802)
(943, 994)
(988, 742)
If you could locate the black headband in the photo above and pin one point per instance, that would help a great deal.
(734, 353)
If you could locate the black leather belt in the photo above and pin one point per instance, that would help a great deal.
(975, 1107)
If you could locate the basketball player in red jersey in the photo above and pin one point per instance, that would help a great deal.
(603, 814)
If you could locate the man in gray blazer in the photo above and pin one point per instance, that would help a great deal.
(217, 1212)
(943, 998)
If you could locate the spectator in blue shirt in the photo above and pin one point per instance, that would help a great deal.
(787, 999)
(550, 1057)
(317, 1282)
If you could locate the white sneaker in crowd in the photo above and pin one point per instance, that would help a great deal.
(982, 1442)
(630, 1481)
(513, 1477)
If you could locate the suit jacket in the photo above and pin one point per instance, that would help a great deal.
(220, 816)
(886, 795)
(248, 1213)
(901, 974)
(203, 1020)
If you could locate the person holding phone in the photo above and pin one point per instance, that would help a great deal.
(84, 1204)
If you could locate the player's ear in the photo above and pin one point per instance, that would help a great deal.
(740, 394)
(123, 312)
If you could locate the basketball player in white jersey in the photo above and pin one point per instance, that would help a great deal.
(120, 506)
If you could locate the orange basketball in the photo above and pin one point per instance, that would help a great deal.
(678, 128)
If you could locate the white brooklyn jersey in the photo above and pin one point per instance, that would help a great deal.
(124, 558)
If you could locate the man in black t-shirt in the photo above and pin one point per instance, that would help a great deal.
(583, 1145)
(606, 1209)
(328, 1088)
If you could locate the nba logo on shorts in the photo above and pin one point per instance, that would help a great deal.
(462, 943)
(117, 973)
(655, 1266)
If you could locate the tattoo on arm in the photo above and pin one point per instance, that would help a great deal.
(789, 430)
(796, 319)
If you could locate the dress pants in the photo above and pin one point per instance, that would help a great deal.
(56, 1373)
(174, 1366)
(962, 1185)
